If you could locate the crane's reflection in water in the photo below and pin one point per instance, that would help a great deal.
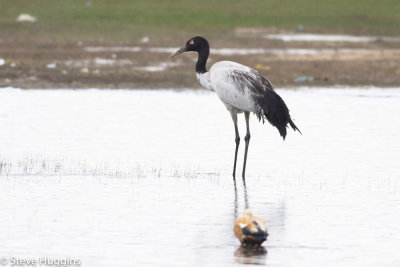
(236, 203)
(251, 255)
(247, 254)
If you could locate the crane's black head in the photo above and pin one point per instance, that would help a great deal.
(197, 44)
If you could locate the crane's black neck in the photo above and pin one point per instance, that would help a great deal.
(203, 53)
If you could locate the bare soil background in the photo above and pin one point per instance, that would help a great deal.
(37, 63)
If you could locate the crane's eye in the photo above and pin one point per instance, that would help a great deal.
(189, 42)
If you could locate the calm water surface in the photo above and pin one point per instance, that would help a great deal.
(143, 178)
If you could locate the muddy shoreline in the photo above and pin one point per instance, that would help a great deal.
(138, 64)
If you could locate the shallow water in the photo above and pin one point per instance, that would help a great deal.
(329, 38)
(243, 51)
(133, 178)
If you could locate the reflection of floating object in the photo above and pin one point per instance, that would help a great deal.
(250, 230)
(26, 18)
(251, 255)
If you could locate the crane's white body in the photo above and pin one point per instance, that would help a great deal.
(241, 89)
(220, 78)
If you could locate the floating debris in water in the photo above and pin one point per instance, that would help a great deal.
(2, 61)
(250, 230)
(26, 18)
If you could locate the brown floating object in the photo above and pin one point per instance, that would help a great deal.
(250, 230)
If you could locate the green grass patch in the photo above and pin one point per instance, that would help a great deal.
(127, 19)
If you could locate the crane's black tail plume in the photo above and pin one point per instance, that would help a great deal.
(272, 108)
(294, 125)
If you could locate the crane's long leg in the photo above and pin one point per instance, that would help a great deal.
(237, 140)
(247, 140)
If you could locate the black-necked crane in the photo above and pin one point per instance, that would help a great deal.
(250, 230)
(241, 89)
